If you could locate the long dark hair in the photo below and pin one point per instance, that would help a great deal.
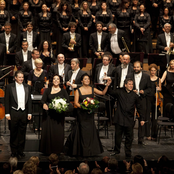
(51, 81)
(68, 9)
(122, 4)
(41, 46)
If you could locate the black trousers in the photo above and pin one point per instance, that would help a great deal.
(128, 133)
(18, 126)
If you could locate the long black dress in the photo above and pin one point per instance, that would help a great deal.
(3, 19)
(168, 90)
(84, 139)
(52, 136)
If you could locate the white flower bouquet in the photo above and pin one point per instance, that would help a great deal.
(59, 104)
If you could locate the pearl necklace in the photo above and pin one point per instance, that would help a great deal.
(56, 89)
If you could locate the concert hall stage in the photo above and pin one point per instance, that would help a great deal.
(151, 151)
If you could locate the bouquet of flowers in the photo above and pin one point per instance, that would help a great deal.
(89, 104)
(59, 104)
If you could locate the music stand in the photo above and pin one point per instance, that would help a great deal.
(83, 61)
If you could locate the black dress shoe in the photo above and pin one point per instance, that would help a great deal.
(21, 155)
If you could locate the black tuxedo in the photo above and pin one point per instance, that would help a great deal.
(35, 38)
(161, 41)
(118, 74)
(110, 72)
(93, 42)
(19, 59)
(146, 86)
(54, 70)
(2, 52)
(18, 121)
(26, 68)
(120, 34)
(12, 41)
(65, 44)
(77, 79)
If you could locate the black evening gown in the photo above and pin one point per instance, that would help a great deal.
(168, 5)
(52, 136)
(143, 41)
(45, 27)
(75, 12)
(163, 21)
(47, 60)
(63, 22)
(168, 90)
(13, 11)
(85, 20)
(37, 82)
(84, 139)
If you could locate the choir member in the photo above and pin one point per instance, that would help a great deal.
(64, 16)
(142, 30)
(85, 21)
(104, 16)
(45, 24)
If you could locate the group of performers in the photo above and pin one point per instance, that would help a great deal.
(126, 83)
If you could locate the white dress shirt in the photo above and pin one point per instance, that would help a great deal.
(103, 73)
(61, 71)
(72, 35)
(20, 96)
(30, 40)
(73, 77)
(33, 64)
(137, 81)
(25, 54)
(168, 38)
(123, 75)
(114, 43)
(7, 38)
(99, 37)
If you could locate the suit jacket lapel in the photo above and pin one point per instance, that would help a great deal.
(26, 92)
(98, 74)
(56, 69)
(13, 88)
(96, 40)
(141, 80)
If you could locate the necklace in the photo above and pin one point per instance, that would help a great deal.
(56, 89)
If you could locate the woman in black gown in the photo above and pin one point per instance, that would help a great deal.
(167, 4)
(85, 21)
(54, 10)
(25, 16)
(52, 136)
(151, 101)
(46, 54)
(165, 18)
(104, 16)
(4, 16)
(84, 139)
(35, 7)
(64, 16)
(45, 24)
(168, 89)
(142, 29)
(13, 8)
(36, 77)
(123, 18)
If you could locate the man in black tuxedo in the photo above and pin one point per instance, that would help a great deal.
(29, 64)
(71, 42)
(122, 71)
(98, 41)
(31, 36)
(74, 76)
(23, 55)
(142, 87)
(18, 108)
(9, 40)
(115, 40)
(165, 41)
(60, 68)
(124, 116)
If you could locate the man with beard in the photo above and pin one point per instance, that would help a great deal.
(142, 87)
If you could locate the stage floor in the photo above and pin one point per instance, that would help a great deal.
(151, 151)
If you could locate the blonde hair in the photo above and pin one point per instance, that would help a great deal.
(18, 172)
(37, 61)
(68, 172)
(169, 68)
(137, 168)
(35, 159)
